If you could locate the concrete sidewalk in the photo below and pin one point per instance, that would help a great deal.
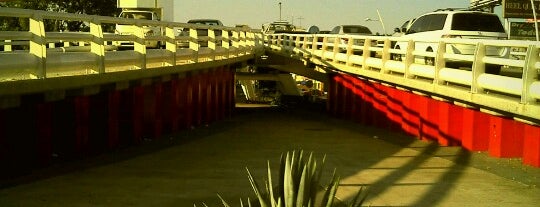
(193, 166)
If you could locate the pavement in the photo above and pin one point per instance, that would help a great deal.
(193, 166)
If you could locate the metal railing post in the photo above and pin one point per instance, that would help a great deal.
(139, 46)
(38, 46)
(170, 45)
(478, 67)
(530, 74)
(97, 46)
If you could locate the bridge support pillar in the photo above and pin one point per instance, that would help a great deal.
(450, 124)
(531, 147)
(506, 137)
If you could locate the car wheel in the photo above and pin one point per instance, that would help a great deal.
(493, 69)
(429, 60)
(396, 57)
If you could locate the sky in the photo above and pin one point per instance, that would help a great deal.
(322, 13)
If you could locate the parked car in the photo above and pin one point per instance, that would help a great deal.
(202, 32)
(400, 31)
(450, 23)
(352, 30)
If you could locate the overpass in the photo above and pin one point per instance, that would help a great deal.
(71, 94)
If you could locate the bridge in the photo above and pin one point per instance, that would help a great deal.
(61, 90)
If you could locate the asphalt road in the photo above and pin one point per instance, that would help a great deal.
(193, 166)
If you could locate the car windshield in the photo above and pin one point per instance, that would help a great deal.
(477, 22)
(136, 15)
(356, 30)
(211, 23)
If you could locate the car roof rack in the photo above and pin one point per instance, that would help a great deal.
(458, 9)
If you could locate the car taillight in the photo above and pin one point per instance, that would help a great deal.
(451, 36)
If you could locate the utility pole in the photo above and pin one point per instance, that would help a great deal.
(279, 11)
(300, 20)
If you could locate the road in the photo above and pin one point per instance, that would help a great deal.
(195, 165)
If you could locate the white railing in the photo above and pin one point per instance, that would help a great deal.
(515, 91)
(39, 54)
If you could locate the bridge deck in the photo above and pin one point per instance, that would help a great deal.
(193, 166)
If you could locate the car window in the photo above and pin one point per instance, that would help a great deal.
(476, 22)
(335, 30)
(427, 23)
(356, 30)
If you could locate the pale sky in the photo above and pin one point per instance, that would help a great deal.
(323, 13)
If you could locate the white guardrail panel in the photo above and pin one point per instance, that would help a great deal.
(38, 54)
(515, 91)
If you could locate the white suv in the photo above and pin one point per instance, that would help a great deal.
(451, 23)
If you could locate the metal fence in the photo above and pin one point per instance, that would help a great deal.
(512, 91)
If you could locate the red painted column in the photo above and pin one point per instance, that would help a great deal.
(230, 91)
(418, 107)
(175, 105)
(405, 107)
(475, 129)
(113, 119)
(158, 110)
(44, 134)
(189, 108)
(370, 115)
(82, 124)
(137, 113)
(383, 120)
(430, 125)
(531, 146)
(332, 90)
(450, 124)
(357, 97)
(346, 99)
(506, 137)
(220, 90)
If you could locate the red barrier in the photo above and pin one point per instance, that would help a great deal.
(137, 113)
(82, 122)
(158, 110)
(113, 119)
(506, 137)
(450, 124)
(406, 112)
(475, 130)
(174, 115)
(416, 108)
(44, 134)
(531, 146)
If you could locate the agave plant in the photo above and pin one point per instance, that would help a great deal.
(298, 185)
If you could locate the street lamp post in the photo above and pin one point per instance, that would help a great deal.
(379, 20)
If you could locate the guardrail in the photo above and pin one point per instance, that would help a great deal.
(515, 91)
(40, 54)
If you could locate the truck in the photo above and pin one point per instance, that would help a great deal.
(158, 10)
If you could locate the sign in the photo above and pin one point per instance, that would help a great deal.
(522, 30)
(520, 9)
